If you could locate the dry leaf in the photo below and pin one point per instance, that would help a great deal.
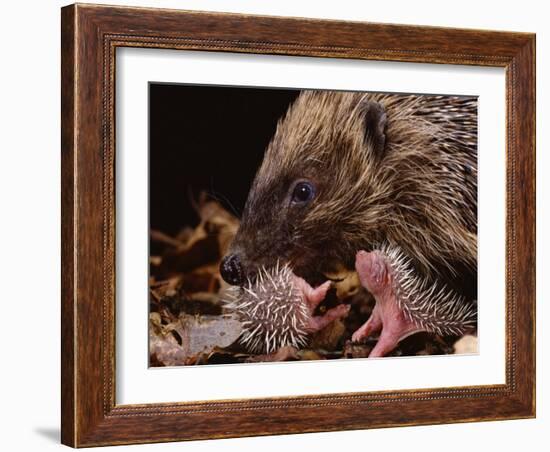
(287, 353)
(180, 342)
(356, 350)
(329, 337)
(346, 282)
(309, 355)
(466, 344)
(202, 334)
(163, 347)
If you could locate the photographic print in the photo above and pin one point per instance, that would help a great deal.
(290, 224)
(321, 213)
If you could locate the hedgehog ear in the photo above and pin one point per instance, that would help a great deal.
(375, 125)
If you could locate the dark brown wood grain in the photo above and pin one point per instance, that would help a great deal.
(90, 36)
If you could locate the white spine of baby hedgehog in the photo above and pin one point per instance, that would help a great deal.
(276, 310)
(432, 306)
(272, 311)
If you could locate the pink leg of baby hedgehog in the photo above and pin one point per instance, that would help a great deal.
(313, 297)
(387, 317)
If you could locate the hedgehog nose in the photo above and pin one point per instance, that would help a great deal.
(231, 270)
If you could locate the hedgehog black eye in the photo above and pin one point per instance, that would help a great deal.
(303, 193)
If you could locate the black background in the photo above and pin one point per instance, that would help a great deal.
(208, 138)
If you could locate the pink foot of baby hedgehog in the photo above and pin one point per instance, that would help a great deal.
(404, 304)
(313, 297)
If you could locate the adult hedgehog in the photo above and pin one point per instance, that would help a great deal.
(380, 182)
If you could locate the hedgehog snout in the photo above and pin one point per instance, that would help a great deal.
(231, 270)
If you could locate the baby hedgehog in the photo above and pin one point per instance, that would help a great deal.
(384, 184)
(276, 310)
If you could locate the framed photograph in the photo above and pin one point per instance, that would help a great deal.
(281, 225)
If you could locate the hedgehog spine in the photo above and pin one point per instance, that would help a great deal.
(271, 310)
(434, 307)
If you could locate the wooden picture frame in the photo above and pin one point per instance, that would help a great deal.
(90, 36)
